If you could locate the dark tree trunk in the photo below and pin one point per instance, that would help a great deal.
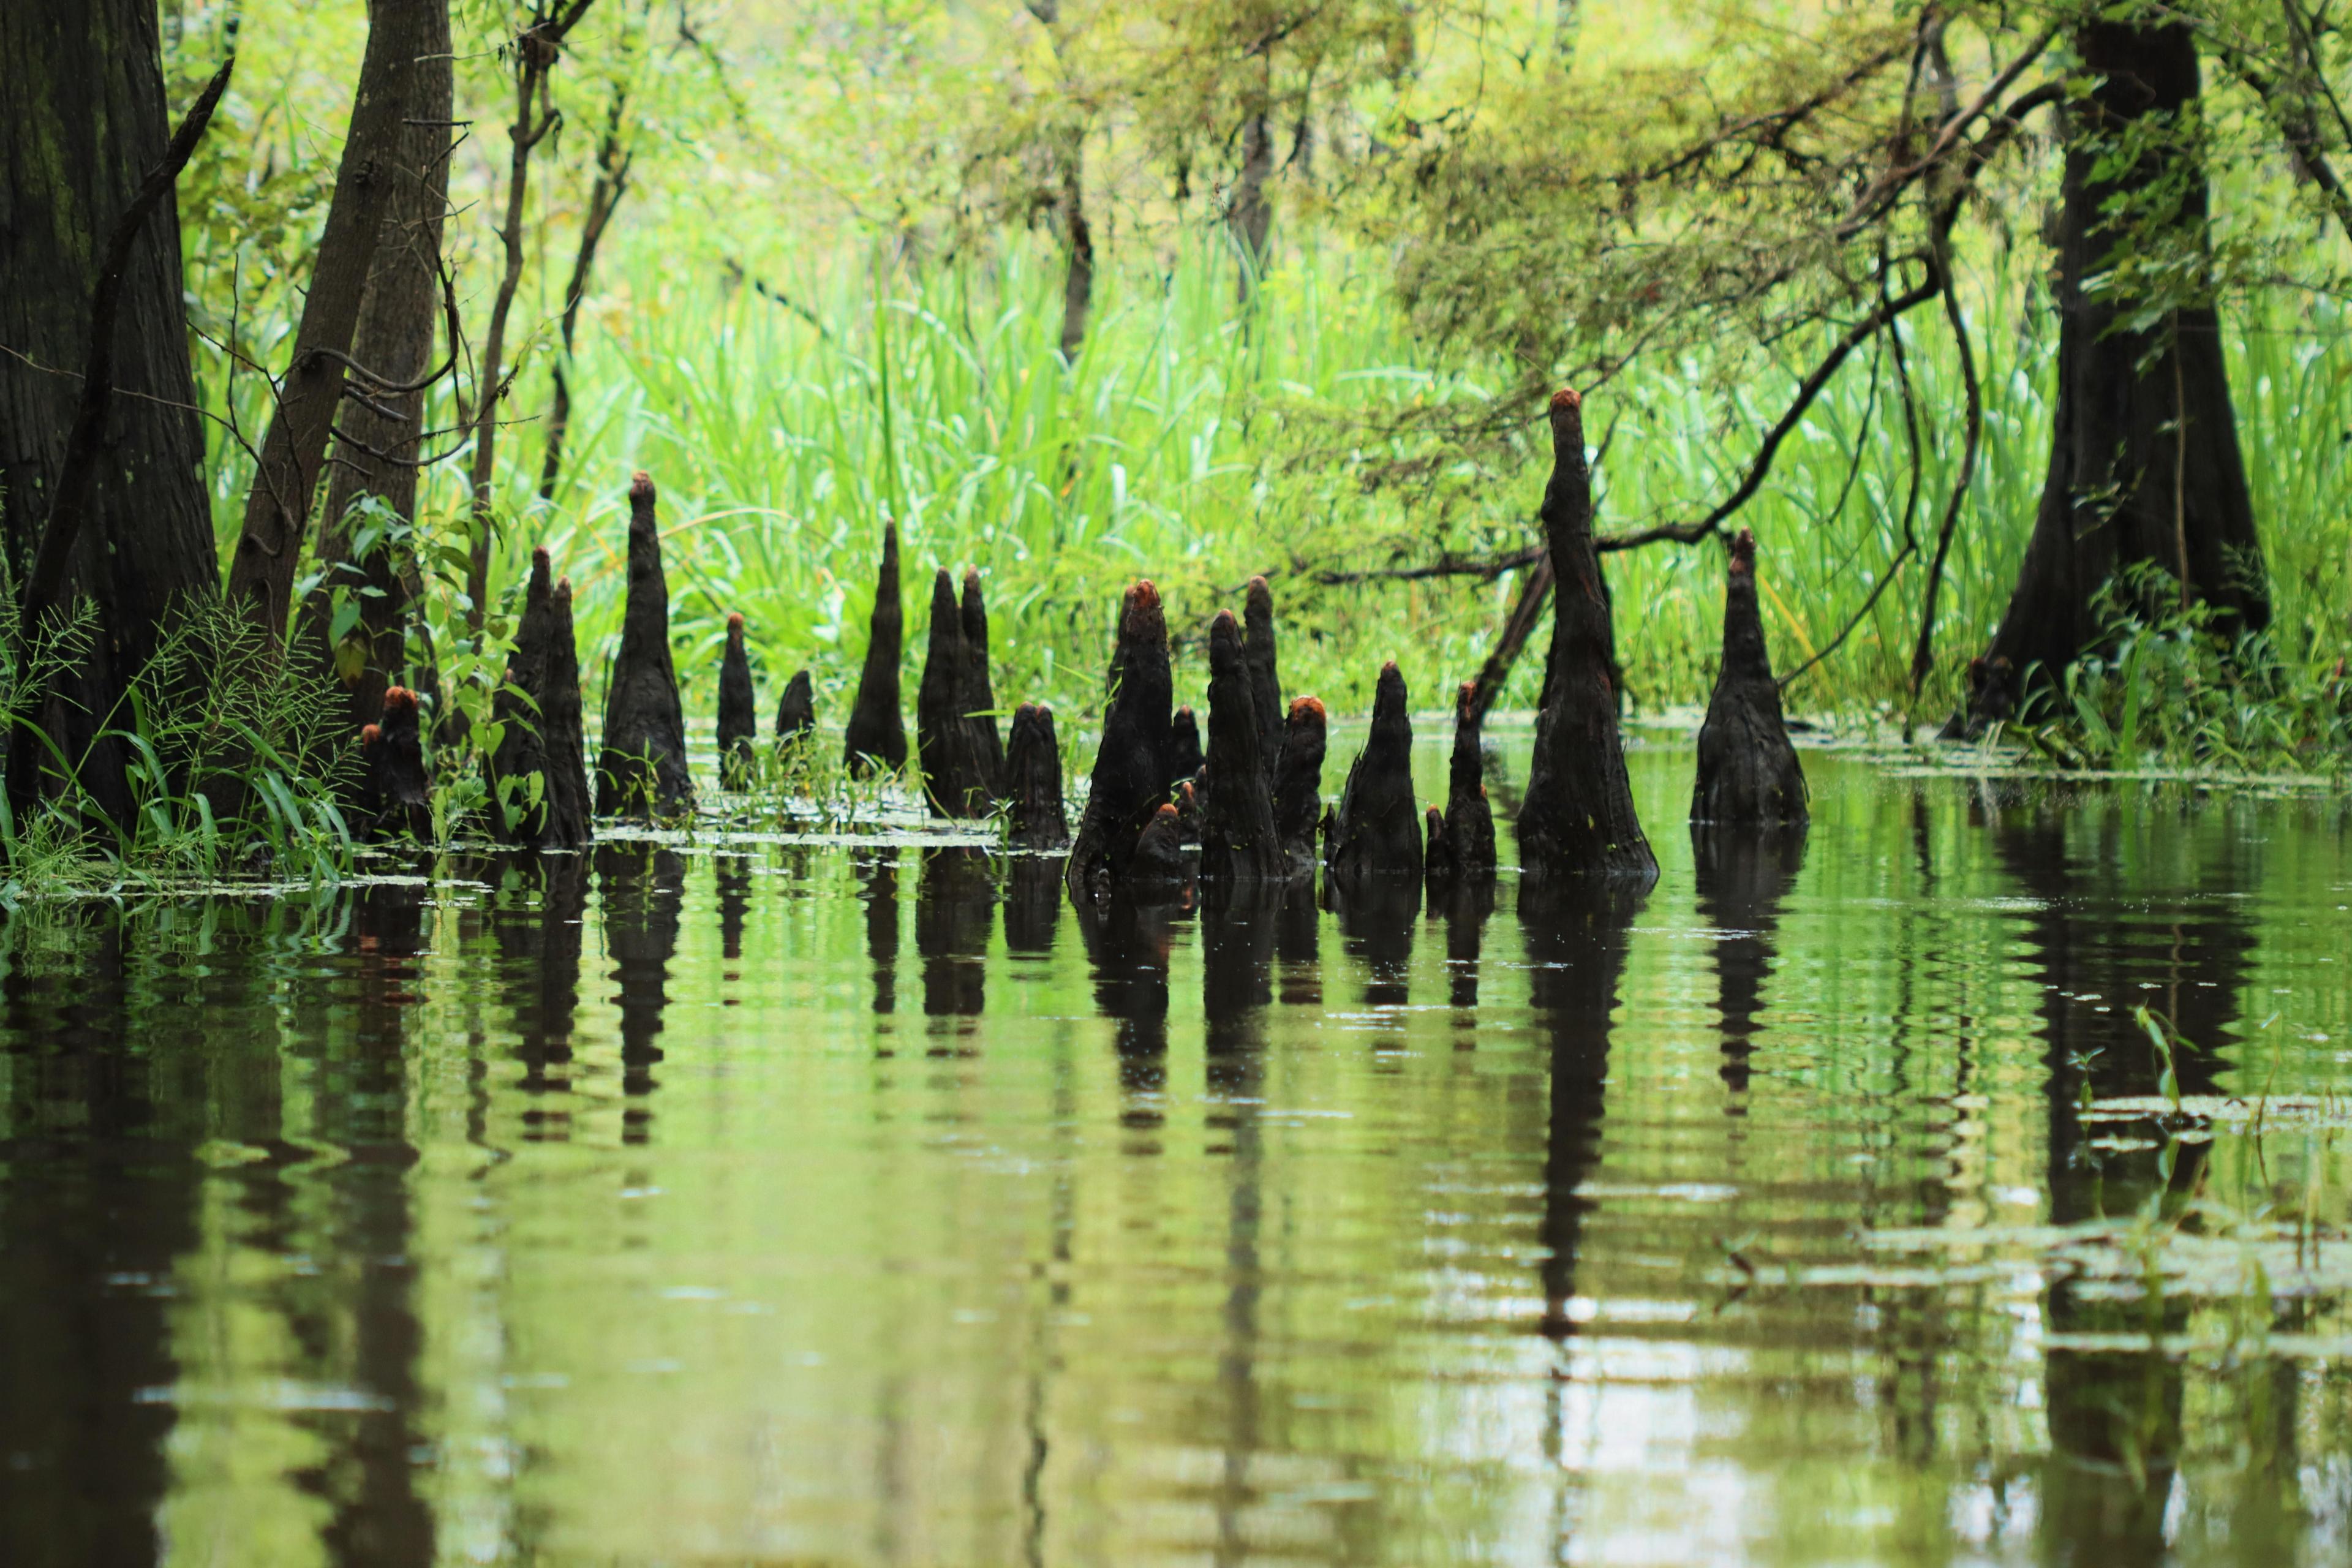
(796, 714)
(642, 764)
(1376, 829)
(1078, 283)
(978, 692)
(1299, 784)
(1265, 678)
(81, 92)
(613, 159)
(2144, 461)
(1747, 771)
(1578, 818)
(400, 312)
(1131, 777)
(1469, 819)
(1252, 214)
(1238, 841)
(391, 90)
(542, 735)
(1032, 781)
(876, 732)
(739, 712)
(946, 752)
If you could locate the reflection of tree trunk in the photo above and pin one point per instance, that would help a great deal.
(269, 547)
(1575, 937)
(2144, 463)
(2114, 1413)
(1742, 876)
(398, 317)
(1251, 217)
(89, 119)
(641, 891)
(100, 1204)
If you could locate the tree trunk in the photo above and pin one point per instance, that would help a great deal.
(81, 92)
(613, 159)
(401, 33)
(399, 313)
(1252, 216)
(1078, 285)
(2144, 462)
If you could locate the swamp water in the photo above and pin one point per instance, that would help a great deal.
(860, 1204)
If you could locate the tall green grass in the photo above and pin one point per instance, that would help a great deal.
(936, 397)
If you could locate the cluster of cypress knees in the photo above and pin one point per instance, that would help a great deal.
(1251, 802)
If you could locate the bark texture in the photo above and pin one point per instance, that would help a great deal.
(1032, 781)
(979, 691)
(540, 720)
(1238, 841)
(269, 547)
(876, 733)
(1130, 776)
(739, 712)
(1375, 830)
(1469, 819)
(1298, 783)
(796, 714)
(1265, 678)
(81, 92)
(1747, 771)
(948, 750)
(642, 766)
(2144, 459)
(1578, 818)
(374, 457)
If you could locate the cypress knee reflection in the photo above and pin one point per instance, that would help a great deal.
(1127, 943)
(1237, 941)
(1033, 903)
(1377, 916)
(641, 891)
(1576, 935)
(535, 921)
(877, 877)
(732, 875)
(1466, 905)
(1742, 876)
(955, 910)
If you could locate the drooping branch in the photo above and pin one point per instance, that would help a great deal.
(77, 485)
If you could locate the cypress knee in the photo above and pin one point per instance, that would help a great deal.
(563, 744)
(1299, 784)
(1469, 819)
(1376, 829)
(521, 710)
(876, 737)
(979, 700)
(796, 714)
(1184, 755)
(1265, 680)
(1032, 781)
(1578, 818)
(738, 712)
(1130, 776)
(398, 791)
(943, 739)
(1438, 860)
(1747, 771)
(1158, 864)
(1189, 797)
(643, 763)
(1238, 841)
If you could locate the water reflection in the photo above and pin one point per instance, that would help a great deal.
(1465, 905)
(1128, 945)
(877, 883)
(1742, 876)
(1033, 903)
(1377, 915)
(955, 910)
(537, 922)
(641, 891)
(733, 876)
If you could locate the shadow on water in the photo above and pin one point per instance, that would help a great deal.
(641, 889)
(1742, 876)
(2116, 1427)
(1575, 934)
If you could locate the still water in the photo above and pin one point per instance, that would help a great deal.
(860, 1204)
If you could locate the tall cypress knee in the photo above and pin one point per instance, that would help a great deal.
(876, 732)
(1376, 829)
(1238, 841)
(1747, 771)
(1131, 778)
(796, 714)
(521, 750)
(562, 738)
(1266, 679)
(1298, 783)
(643, 763)
(943, 740)
(739, 712)
(1469, 819)
(1032, 781)
(979, 700)
(1578, 818)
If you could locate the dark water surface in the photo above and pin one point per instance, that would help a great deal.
(841, 1204)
